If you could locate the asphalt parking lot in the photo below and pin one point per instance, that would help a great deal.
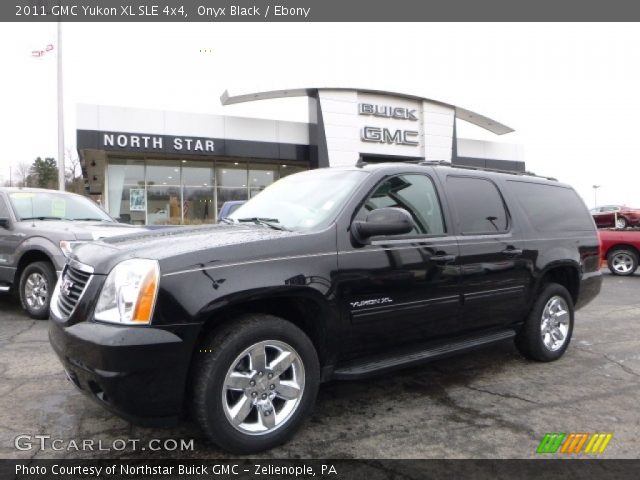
(484, 404)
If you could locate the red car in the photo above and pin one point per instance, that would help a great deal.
(616, 216)
(620, 250)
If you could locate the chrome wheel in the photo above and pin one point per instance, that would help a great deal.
(263, 387)
(621, 222)
(36, 291)
(622, 262)
(555, 323)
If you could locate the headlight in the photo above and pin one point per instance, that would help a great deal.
(67, 246)
(129, 294)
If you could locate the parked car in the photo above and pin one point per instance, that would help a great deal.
(338, 273)
(616, 216)
(38, 230)
(621, 250)
(229, 207)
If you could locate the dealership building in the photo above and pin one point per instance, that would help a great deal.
(160, 167)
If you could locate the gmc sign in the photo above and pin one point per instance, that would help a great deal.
(385, 135)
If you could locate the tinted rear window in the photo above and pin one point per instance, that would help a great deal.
(552, 208)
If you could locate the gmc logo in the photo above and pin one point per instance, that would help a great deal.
(384, 135)
(65, 287)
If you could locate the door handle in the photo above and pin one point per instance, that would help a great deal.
(443, 258)
(512, 252)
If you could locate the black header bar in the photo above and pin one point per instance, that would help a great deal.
(368, 469)
(317, 10)
(127, 142)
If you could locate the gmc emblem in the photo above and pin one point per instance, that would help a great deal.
(65, 287)
(384, 135)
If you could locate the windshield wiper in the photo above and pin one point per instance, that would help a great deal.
(43, 218)
(89, 220)
(269, 222)
(227, 220)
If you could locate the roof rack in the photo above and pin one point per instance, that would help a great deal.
(376, 159)
(444, 163)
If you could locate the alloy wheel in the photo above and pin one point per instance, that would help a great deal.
(263, 387)
(622, 262)
(621, 223)
(554, 327)
(36, 291)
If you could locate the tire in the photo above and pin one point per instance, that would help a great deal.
(531, 341)
(37, 282)
(622, 261)
(621, 223)
(223, 354)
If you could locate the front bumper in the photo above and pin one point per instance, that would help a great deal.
(138, 373)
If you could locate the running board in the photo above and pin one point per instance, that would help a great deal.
(372, 366)
(5, 288)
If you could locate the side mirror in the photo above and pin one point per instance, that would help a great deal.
(383, 221)
(5, 223)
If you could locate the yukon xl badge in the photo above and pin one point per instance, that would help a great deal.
(369, 303)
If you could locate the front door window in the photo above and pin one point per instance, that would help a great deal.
(414, 193)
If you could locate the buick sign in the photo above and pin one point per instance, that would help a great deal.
(386, 111)
(388, 135)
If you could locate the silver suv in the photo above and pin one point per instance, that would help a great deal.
(38, 230)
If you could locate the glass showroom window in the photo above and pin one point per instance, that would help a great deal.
(164, 198)
(260, 177)
(288, 169)
(231, 182)
(197, 192)
(126, 190)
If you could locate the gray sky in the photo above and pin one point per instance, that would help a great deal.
(571, 91)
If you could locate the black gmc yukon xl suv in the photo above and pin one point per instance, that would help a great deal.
(337, 273)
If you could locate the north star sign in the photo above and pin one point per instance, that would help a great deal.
(386, 135)
(156, 143)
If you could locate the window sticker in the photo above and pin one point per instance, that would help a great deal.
(22, 195)
(137, 200)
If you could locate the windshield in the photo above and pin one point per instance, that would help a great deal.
(55, 206)
(302, 201)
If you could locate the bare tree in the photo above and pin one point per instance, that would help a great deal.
(23, 170)
(73, 172)
(72, 165)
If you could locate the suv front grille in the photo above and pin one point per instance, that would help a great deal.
(73, 282)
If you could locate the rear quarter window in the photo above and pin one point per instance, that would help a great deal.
(552, 208)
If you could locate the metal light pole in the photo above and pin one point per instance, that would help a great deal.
(60, 113)
(595, 195)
